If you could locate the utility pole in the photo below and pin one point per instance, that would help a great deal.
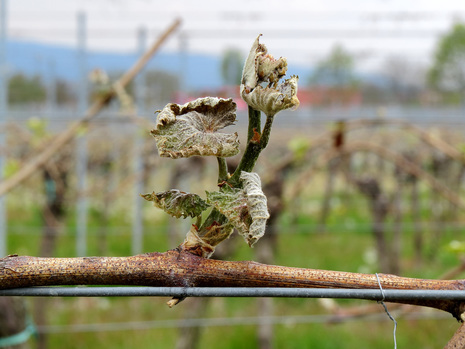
(3, 113)
(139, 87)
(81, 144)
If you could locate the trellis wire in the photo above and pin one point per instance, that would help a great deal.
(146, 291)
(15, 229)
(226, 322)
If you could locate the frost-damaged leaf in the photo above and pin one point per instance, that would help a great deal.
(177, 203)
(260, 87)
(246, 209)
(191, 129)
(257, 205)
(196, 245)
(272, 100)
(262, 67)
(232, 202)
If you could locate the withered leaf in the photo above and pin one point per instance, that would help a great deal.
(272, 100)
(197, 245)
(257, 205)
(260, 86)
(191, 129)
(177, 203)
(262, 67)
(232, 203)
(246, 209)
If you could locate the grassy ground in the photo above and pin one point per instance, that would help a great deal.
(145, 322)
(346, 245)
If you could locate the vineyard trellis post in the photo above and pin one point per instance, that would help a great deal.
(139, 93)
(81, 150)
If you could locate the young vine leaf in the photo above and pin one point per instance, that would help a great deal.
(257, 204)
(262, 69)
(232, 202)
(246, 209)
(177, 203)
(191, 129)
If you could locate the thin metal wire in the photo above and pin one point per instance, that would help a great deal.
(387, 311)
(226, 322)
(146, 291)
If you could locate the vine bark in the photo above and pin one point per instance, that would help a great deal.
(183, 269)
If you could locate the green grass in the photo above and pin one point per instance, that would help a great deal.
(345, 246)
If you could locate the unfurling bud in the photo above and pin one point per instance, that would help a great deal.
(260, 87)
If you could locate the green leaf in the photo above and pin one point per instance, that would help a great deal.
(191, 129)
(177, 203)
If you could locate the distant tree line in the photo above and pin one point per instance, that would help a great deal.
(32, 90)
(401, 81)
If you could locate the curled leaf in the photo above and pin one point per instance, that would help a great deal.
(260, 87)
(262, 67)
(196, 245)
(177, 203)
(232, 203)
(272, 100)
(257, 205)
(191, 129)
(246, 209)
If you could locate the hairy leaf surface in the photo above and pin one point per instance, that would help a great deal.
(177, 203)
(191, 129)
(245, 208)
(232, 202)
(257, 205)
(260, 86)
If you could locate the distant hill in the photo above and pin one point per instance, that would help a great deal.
(30, 58)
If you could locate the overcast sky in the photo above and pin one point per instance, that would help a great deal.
(301, 30)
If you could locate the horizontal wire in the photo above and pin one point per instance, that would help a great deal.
(232, 321)
(307, 228)
(146, 291)
(246, 33)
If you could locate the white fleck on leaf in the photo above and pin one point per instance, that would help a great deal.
(260, 87)
(191, 129)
